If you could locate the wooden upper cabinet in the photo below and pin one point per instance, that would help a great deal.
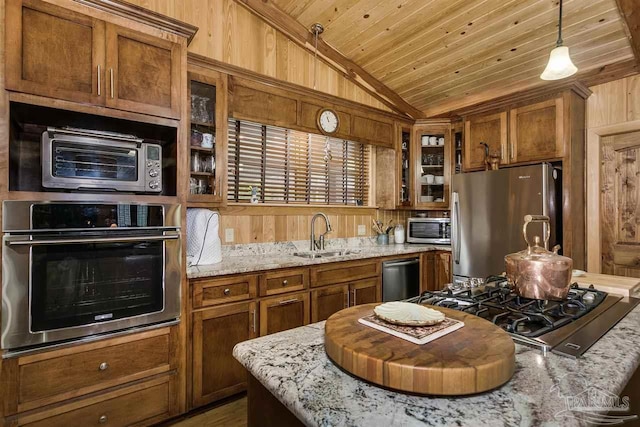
(54, 52)
(62, 54)
(143, 73)
(536, 132)
(491, 129)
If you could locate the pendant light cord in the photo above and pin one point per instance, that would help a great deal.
(315, 62)
(316, 29)
(559, 42)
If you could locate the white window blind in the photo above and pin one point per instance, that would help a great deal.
(288, 166)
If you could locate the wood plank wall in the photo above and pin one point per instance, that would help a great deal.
(278, 226)
(228, 32)
(614, 102)
(613, 108)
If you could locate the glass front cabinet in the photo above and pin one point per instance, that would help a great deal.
(207, 138)
(432, 159)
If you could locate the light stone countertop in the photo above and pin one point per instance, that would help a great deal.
(270, 256)
(294, 367)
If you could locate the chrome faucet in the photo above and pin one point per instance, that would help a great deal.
(319, 244)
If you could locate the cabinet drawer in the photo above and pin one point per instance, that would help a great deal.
(220, 291)
(149, 402)
(344, 272)
(48, 378)
(285, 312)
(284, 281)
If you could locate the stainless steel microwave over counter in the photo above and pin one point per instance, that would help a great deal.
(76, 269)
(429, 230)
(80, 159)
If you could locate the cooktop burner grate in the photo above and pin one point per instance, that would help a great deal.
(525, 317)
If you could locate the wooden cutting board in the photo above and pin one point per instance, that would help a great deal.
(625, 286)
(478, 357)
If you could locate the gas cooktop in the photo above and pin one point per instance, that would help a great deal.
(564, 327)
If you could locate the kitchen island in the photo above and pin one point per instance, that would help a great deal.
(294, 367)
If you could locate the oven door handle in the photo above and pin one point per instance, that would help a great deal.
(91, 240)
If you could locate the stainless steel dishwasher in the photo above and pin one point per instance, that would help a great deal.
(400, 279)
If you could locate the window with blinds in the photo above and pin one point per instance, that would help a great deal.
(288, 166)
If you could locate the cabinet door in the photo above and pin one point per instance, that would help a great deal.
(282, 313)
(428, 267)
(143, 73)
(54, 52)
(365, 291)
(536, 132)
(491, 129)
(432, 163)
(207, 101)
(443, 269)
(326, 301)
(216, 373)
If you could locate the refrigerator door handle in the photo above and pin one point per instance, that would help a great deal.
(455, 227)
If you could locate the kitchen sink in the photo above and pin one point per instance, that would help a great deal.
(325, 254)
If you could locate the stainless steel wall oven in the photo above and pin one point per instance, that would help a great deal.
(76, 269)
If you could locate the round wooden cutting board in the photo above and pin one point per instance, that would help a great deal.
(478, 357)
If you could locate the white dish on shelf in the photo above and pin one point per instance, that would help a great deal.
(439, 200)
(426, 199)
(439, 179)
(578, 273)
(428, 178)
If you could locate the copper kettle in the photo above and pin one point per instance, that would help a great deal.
(536, 272)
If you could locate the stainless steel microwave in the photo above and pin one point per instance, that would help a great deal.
(429, 230)
(80, 159)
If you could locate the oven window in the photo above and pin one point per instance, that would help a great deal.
(426, 230)
(73, 160)
(80, 284)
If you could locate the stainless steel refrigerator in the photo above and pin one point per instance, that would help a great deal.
(487, 215)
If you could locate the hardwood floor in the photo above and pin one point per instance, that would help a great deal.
(229, 414)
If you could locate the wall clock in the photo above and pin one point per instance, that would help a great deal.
(328, 121)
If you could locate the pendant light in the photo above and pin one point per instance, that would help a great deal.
(316, 29)
(559, 65)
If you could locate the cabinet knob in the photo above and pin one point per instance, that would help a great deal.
(227, 291)
(103, 366)
(285, 282)
(103, 419)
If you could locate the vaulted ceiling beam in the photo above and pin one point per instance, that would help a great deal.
(630, 12)
(286, 24)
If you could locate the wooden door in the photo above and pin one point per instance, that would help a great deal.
(329, 300)
(619, 204)
(216, 373)
(285, 312)
(54, 52)
(443, 269)
(536, 132)
(365, 291)
(491, 129)
(143, 73)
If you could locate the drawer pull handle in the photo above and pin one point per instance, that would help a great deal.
(288, 301)
(227, 291)
(102, 419)
(103, 366)
(285, 282)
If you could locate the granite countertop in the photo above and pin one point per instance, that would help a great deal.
(270, 256)
(294, 367)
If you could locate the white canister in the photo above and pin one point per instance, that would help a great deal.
(207, 140)
(398, 234)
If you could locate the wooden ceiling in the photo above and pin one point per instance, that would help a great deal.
(441, 55)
